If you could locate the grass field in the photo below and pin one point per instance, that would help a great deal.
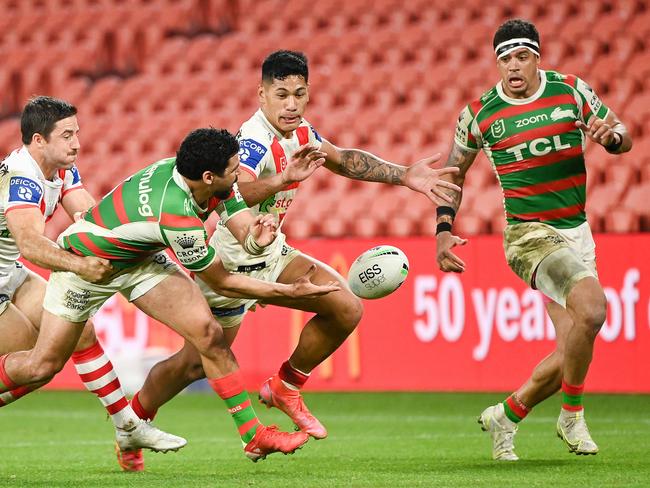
(376, 440)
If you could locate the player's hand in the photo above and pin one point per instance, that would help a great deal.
(303, 287)
(77, 216)
(597, 130)
(420, 177)
(263, 229)
(95, 270)
(302, 164)
(447, 260)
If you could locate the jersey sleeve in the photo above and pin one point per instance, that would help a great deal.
(591, 103)
(314, 137)
(71, 181)
(252, 154)
(463, 136)
(232, 205)
(190, 246)
(24, 191)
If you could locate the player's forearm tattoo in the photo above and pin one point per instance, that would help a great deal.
(361, 165)
(463, 159)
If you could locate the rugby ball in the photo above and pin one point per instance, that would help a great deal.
(378, 272)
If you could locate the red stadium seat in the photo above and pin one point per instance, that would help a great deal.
(468, 224)
(622, 221)
(402, 227)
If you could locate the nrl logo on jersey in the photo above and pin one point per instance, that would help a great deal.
(498, 128)
(559, 114)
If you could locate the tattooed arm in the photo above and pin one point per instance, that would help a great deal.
(462, 159)
(361, 165)
(447, 261)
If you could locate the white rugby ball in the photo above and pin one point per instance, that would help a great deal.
(378, 272)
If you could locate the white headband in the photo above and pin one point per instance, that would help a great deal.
(506, 47)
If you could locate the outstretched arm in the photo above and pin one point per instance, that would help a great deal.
(447, 261)
(242, 286)
(362, 165)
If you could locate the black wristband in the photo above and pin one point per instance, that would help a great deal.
(440, 211)
(443, 227)
(614, 146)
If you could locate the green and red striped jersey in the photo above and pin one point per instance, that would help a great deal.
(535, 147)
(146, 213)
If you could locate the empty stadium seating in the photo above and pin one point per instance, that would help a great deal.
(386, 75)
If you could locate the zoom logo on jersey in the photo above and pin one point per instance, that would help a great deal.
(251, 152)
(23, 189)
(531, 120)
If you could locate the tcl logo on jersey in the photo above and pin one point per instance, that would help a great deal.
(24, 190)
(538, 147)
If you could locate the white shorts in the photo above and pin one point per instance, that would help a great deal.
(11, 278)
(230, 312)
(582, 242)
(74, 299)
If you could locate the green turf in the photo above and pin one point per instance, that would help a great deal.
(376, 440)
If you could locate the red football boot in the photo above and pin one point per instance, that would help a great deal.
(274, 393)
(268, 440)
(130, 460)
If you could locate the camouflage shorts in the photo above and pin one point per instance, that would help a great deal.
(527, 244)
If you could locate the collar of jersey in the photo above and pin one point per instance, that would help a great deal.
(180, 181)
(523, 101)
(269, 125)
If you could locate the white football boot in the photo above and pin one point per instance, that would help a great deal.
(143, 435)
(572, 429)
(502, 429)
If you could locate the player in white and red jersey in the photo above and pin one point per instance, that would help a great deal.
(33, 181)
(278, 149)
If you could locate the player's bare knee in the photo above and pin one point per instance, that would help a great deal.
(44, 370)
(210, 339)
(348, 313)
(589, 305)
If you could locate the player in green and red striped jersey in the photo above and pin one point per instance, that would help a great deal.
(164, 206)
(533, 127)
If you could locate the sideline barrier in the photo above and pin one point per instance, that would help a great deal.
(483, 330)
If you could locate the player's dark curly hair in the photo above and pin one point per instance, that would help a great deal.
(280, 64)
(514, 28)
(206, 149)
(41, 114)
